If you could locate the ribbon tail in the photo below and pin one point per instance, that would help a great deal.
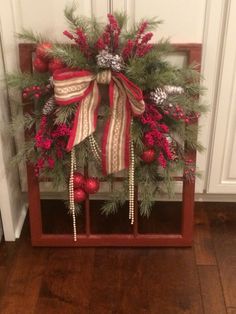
(115, 143)
(85, 120)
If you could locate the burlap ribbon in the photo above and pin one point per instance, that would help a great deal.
(126, 100)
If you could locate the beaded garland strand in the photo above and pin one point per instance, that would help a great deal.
(131, 180)
(71, 193)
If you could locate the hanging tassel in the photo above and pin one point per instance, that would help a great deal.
(131, 180)
(71, 193)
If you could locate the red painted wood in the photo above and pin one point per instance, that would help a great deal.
(135, 228)
(25, 53)
(38, 238)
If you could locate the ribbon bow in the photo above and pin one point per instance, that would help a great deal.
(126, 100)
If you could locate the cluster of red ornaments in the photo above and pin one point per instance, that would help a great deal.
(35, 91)
(43, 63)
(84, 186)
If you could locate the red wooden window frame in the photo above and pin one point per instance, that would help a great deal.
(134, 239)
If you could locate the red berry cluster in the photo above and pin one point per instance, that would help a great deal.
(35, 91)
(84, 186)
(177, 113)
(80, 38)
(140, 45)
(155, 136)
(110, 37)
(43, 63)
(50, 144)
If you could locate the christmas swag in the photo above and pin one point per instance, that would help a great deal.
(141, 126)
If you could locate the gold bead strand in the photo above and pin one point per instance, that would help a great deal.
(131, 180)
(71, 193)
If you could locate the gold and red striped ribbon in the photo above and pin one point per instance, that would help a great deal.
(126, 100)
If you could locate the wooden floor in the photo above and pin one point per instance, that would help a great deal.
(194, 280)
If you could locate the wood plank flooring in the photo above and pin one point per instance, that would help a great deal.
(196, 280)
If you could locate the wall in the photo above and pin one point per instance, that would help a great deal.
(12, 205)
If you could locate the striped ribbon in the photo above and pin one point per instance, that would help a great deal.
(126, 100)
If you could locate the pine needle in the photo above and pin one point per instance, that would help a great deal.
(70, 55)
(65, 113)
(30, 36)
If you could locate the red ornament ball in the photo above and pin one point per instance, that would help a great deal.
(42, 50)
(55, 64)
(79, 180)
(148, 156)
(79, 195)
(40, 65)
(92, 185)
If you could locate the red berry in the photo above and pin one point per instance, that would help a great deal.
(79, 180)
(148, 156)
(92, 185)
(79, 195)
(42, 50)
(24, 95)
(55, 64)
(36, 95)
(40, 65)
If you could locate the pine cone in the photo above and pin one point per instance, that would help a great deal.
(171, 89)
(106, 60)
(49, 106)
(158, 96)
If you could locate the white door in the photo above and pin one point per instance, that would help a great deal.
(222, 172)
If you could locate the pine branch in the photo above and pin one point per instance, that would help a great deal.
(153, 23)
(31, 36)
(112, 206)
(21, 80)
(18, 122)
(74, 20)
(65, 113)
(24, 154)
(121, 18)
(70, 55)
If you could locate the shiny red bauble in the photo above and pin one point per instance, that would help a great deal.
(79, 195)
(40, 65)
(79, 180)
(148, 155)
(42, 50)
(92, 185)
(55, 64)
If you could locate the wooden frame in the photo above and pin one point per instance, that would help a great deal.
(135, 239)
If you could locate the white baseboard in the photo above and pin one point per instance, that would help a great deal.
(21, 220)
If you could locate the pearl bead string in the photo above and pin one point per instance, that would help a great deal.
(95, 148)
(131, 180)
(71, 193)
